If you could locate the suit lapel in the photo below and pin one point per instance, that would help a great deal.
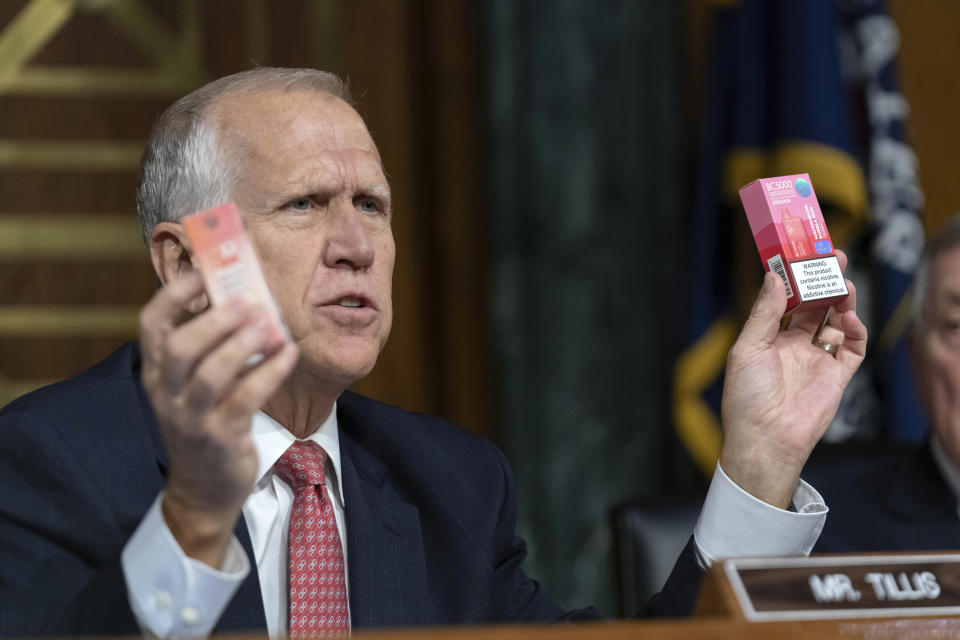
(385, 546)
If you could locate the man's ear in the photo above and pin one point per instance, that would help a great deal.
(172, 255)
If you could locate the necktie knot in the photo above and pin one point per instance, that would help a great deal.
(302, 464)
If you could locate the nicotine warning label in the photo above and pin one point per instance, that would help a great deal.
(819, 278)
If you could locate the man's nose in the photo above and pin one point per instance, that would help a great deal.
(349, 242)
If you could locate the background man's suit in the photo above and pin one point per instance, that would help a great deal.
(890, 500)
(430, 515)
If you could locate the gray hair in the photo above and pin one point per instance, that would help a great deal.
(946, 239)
(184, 169)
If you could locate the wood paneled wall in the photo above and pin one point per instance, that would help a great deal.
(929, 50)
(81, 82)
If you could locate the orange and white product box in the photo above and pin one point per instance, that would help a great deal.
(793, 241)
(228, 262)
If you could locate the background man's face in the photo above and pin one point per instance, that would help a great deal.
(317, 205)
(938, 351)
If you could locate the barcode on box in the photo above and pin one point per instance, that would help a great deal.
(776, 265)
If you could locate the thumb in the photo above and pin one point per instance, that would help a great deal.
(763, 323)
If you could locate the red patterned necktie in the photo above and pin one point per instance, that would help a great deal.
(318, 593)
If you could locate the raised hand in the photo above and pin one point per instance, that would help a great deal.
(204, 394)
(781, 391)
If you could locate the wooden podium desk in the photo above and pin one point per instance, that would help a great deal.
(752, 598)
(707, 628)
(721, 614)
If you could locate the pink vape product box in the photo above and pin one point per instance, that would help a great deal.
(228, 262)
(793, 241)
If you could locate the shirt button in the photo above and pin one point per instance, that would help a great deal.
(163, 600)
(189, 616)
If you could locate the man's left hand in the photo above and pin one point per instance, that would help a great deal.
(781, 391)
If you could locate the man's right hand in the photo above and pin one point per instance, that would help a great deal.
(204, 395)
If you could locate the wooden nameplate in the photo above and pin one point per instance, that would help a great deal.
(833, 587)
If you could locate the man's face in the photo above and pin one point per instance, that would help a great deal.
(316, 203)
(937, 351)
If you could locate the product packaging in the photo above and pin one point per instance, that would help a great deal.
(793, 241)
(228, 262)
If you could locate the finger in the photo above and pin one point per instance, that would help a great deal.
(255, 388)
(188, 344)
(809, 321)
(219, 371)
(842, 259)
(763, 323)
(854, 347)
(827, 332)
(830, 335)
(159, 314)
(849, 303)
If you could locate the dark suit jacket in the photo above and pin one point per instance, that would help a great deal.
(889, 500)
(430, 516)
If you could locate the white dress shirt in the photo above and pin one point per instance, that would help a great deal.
(175, 596)
(733, 523)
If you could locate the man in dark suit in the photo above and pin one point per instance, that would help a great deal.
(907, 498)
(166, 489)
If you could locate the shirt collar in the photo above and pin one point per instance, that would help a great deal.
(271, 439)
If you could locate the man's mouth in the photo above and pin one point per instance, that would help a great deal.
(352, 300)
(349, 310)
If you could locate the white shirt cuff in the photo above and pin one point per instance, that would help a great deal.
(171, 594)
(733, 523)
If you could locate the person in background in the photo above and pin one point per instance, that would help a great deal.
(905, 498)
